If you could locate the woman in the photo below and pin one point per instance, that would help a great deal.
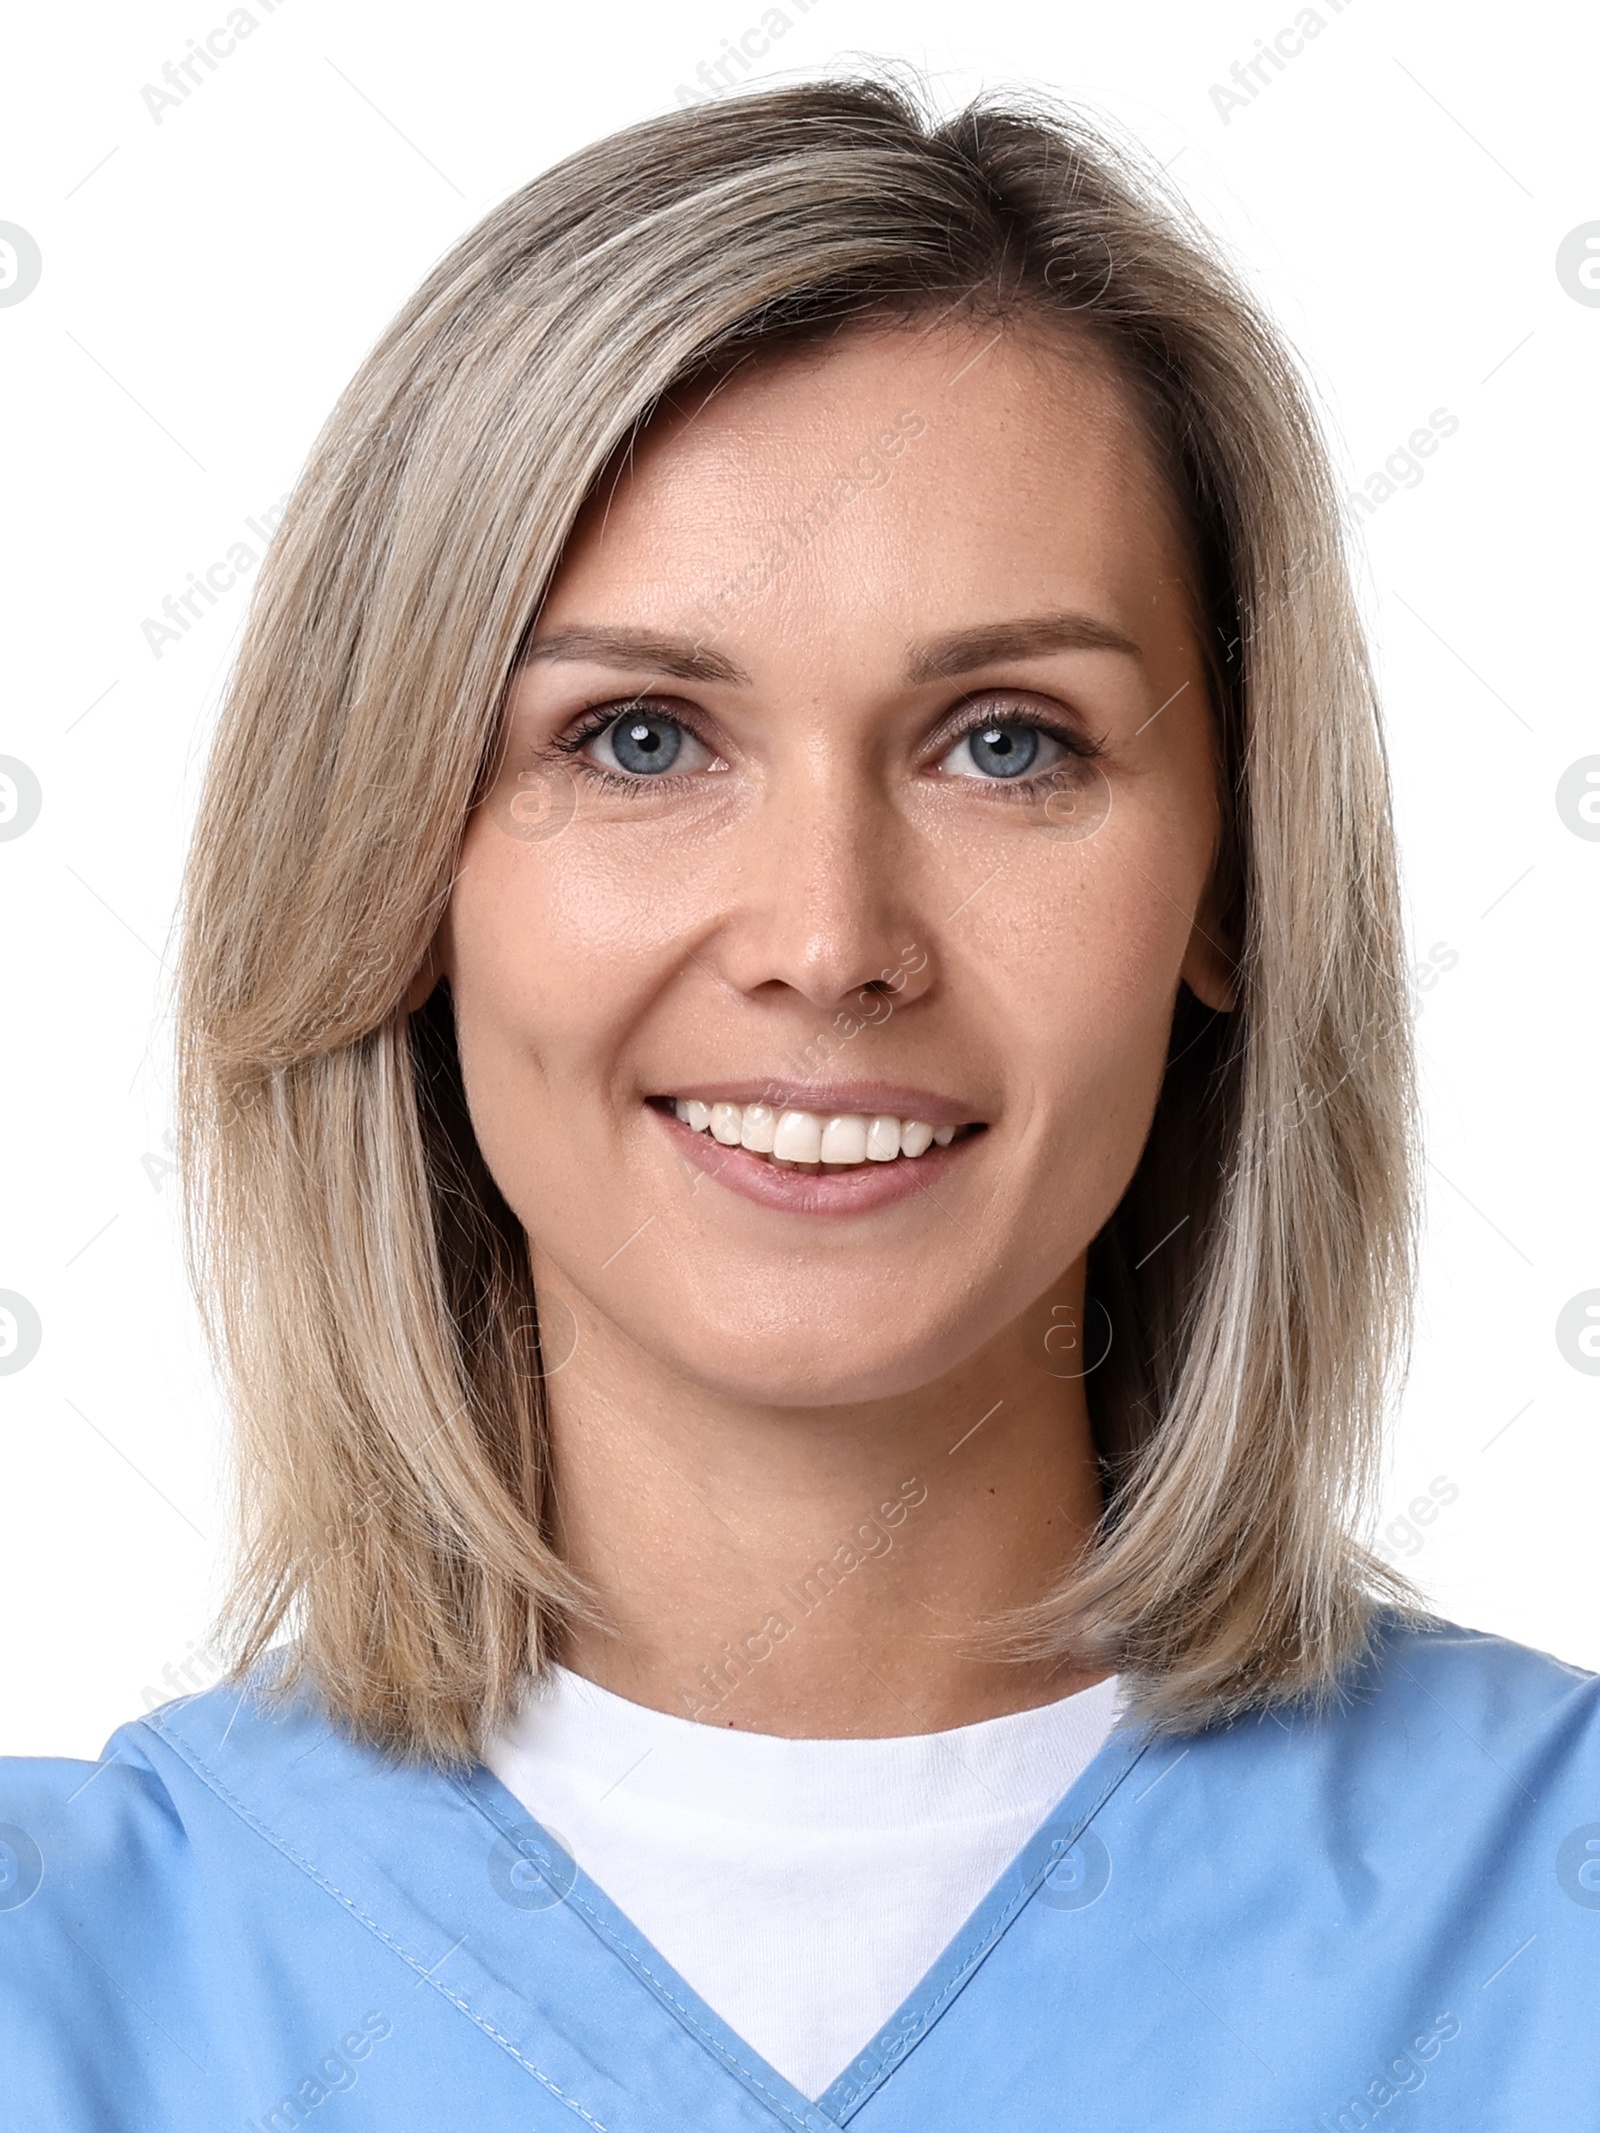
(795, 1082)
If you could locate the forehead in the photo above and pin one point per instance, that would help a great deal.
(912, 471)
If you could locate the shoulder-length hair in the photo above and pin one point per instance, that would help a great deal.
(365, 1286)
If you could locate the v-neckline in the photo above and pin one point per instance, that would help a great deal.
(403, 1850)
(925, 2004)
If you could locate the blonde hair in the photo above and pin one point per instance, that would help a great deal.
(366, 1287)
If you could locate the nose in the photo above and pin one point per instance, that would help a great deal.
(828, 903)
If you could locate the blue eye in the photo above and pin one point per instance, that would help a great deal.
(643, 744)
(1002, 749)
(638, 745)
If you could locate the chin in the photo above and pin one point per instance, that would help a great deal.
(872, 1351)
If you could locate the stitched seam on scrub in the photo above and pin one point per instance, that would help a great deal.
(686, 2015)
(662, 1989)
(963, 1964)
(414, 1962)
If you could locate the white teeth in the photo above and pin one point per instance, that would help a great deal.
(841, 1139)
(883, 1140)
(798, 1138)
(844, 1140)
(760, 1127)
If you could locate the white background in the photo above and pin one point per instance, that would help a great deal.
(209, 282)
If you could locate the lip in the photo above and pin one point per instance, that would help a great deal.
(860, 1190)
(828, 1098)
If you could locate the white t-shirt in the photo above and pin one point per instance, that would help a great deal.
(802, 1887)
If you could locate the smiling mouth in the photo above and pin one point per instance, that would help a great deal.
(814, 1140)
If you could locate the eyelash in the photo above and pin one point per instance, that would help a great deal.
(984, 715)
(599, 716)
(595, 720)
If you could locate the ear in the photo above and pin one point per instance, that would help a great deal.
(1210, 964)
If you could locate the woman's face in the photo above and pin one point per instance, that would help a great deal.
(862, 770)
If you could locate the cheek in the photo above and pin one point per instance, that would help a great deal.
(1091, 950)
(552, 947)
(553, 959)
(1084, 969)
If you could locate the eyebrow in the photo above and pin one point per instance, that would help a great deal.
(940, 658)
(688, 658)
(960, 651)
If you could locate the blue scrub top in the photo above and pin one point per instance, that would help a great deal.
(1384, 1917)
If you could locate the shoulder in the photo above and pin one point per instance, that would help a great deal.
(1472, 1654)
(96, 1871)
(131, 1804)
(1441, 1678)
(67, 1824)
(93, 1839)
(127, 1826)
(124, 1885)
(118, 1847)
(1436, 1721)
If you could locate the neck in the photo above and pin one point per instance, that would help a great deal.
(819, 1572)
